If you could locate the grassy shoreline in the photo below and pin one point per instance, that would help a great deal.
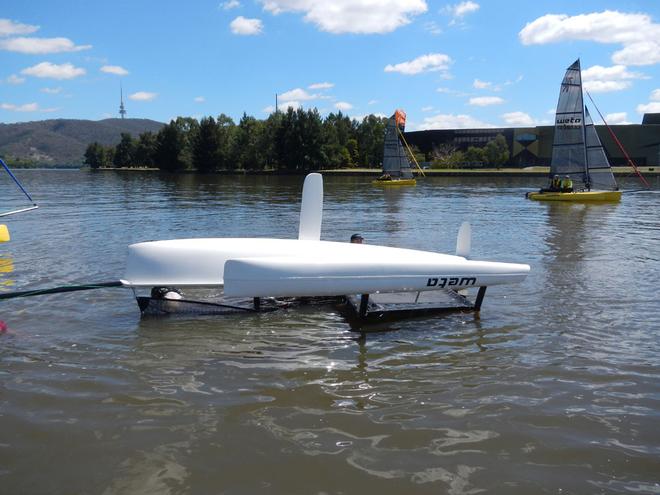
(450, 172)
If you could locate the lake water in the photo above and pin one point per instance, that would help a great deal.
(554, 388)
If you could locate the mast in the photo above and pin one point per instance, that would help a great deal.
(122, 110)
(587, 179)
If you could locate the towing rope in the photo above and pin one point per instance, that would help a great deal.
(60, 289)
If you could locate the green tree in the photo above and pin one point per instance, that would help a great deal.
(95, 155)
(124, 151)
(206, 146)
(145, 150)
(475, 157)
(226, 136)
(247, 144)
(497, 152)
(370, 137)
(170, 144)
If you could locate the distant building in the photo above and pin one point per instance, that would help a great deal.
(532, 146)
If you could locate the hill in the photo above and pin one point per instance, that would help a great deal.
(60, 142)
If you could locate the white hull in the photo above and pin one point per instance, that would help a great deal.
(286, 267)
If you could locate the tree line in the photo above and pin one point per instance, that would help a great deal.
(295, 140)
(292, 141)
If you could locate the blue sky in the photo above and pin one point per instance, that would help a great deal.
(473, 63)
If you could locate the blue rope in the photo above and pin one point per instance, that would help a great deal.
(17, 182)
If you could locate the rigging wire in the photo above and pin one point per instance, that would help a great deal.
(616, 140)
(34, 205)
(410, 151)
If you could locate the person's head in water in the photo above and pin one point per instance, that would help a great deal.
(356, 239)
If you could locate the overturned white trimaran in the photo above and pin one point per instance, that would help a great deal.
(308, 266)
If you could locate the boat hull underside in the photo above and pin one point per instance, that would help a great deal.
(578, 196)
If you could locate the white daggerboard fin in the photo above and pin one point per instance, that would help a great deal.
(464, 240)
(311, 209)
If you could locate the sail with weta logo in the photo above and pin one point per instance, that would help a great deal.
(569, 157)
(598, 166)
(395, 160)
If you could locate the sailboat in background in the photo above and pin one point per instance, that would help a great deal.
(577, 153)
(4, 231)
(396, 164)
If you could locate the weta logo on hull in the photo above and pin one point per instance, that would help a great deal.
(443, 282)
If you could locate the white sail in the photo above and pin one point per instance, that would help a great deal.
(395, 160)
(600, 172)
(569, 157)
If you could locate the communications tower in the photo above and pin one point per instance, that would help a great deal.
(122, 110)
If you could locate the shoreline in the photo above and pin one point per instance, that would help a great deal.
(374, 172)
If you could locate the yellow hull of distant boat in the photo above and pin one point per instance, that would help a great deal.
(576, 196)
(394, 182)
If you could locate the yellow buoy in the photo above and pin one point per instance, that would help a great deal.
(4, 233)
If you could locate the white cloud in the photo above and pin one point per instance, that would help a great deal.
(433, 62)
(484, 101)
(231, 4)
(351, 16)
(199, 99)
(639, 53)
(433, 28)
(427, 109)
(619, 118)
(114, 69)
(54, 71)
(143, 96)
(246, 27)
(40, 46)
(372, 102)
(11, 28)
(51, 91)
(343, 106)
(14, 79)
(283, 106)
(518, 118)
(481, 84)
(323, 85)
(652, 107)
(451, 121)
(297, 94)
(599, 79)
(461, 9)
(27, 107)
(638, 34)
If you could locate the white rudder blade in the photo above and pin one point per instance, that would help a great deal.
(464, 240)
(311, 209)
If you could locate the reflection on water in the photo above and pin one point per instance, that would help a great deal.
(554, 386)
(6, 267)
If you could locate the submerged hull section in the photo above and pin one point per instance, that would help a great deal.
(579, 196)
(395, 182)
(282, 267)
